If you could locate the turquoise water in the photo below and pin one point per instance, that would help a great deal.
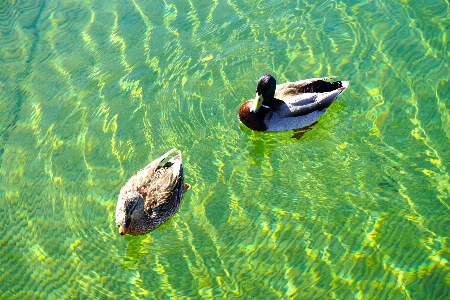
(358, 208)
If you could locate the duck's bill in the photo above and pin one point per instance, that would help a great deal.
(257, 103)
(125, 227)
(124, 230)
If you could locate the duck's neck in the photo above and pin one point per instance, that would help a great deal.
(269, 98)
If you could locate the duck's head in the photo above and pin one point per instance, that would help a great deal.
(265, 91)
(129, 207)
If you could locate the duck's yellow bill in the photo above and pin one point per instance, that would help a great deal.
(257, 103)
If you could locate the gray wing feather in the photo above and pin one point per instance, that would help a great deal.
(293, 104)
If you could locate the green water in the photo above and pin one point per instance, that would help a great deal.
(91, 91)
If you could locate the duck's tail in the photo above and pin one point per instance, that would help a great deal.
(322, 86)
(331, 92)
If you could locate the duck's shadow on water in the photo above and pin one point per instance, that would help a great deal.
(136, 250)
(138, 247)
(299, 132)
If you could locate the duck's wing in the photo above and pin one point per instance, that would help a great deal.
(164, 193)
(146, 174)
(306, 96)
(289, 89)
(141, 179)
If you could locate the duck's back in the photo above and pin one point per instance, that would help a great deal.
(290, 90)
(300, 103)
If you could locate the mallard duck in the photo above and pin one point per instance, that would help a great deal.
(291, 105)
(151, 196)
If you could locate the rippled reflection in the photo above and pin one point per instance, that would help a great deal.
(92, 91)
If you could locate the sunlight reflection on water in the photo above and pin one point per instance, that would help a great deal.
(93, 91)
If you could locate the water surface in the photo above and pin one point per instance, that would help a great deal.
(91, 91)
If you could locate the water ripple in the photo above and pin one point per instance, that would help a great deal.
(94, 91)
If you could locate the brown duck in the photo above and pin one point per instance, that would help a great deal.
(151, 196)
(291, 105)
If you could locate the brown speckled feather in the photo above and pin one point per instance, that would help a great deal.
(152, 195)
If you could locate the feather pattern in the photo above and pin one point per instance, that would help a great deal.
(291, 105)
(151, 196)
